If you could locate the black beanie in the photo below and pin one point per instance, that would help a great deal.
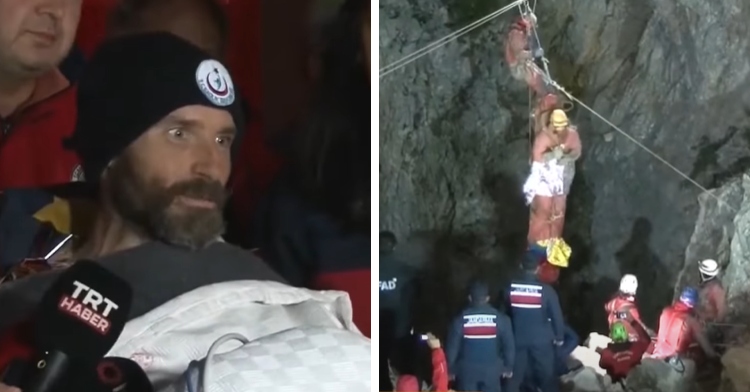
(132, 82)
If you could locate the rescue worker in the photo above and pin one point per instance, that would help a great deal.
(521, 49)
(622, 355)
(538, 327)
(519, 55)
(410, 383)
(712, 308)
(554, 153)
(480, 346)
(621, 309)
(37, 103)
(678, 328)
(396, 296)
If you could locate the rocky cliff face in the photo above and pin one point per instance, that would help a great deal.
(673, 74)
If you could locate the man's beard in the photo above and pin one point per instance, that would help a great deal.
(151, 207)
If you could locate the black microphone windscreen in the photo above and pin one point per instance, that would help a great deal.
(123, 375)
(83, 312)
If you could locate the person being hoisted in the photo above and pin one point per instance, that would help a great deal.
(621, 309)
(553, 155)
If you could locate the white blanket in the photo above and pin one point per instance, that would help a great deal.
(165, 340)
(546, 179)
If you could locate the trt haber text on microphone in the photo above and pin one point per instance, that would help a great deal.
(89, 306)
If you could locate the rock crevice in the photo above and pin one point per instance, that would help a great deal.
(673, 74)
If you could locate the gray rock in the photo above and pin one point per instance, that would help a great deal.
(658, 376)
(673, 74)
(722, 232)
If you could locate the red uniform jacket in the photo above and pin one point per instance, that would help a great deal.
(713, 305)
(439, 371)
(409, 383)
(677, 331)
(31, 150)
(620, 303)
(618, 358)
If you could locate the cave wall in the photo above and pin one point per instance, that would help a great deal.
(673, 74)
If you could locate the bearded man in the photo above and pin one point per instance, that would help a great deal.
(156, 124)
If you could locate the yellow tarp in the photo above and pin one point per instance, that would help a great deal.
(558, 252)
(68, 216)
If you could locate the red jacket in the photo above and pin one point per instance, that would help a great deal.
(618, 358)
(439, 370)
(620, 304)
(31, 150)
(713, 303)
(548, 273)
(409, 383)
(677, 330)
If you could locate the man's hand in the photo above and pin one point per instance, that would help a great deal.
(558, 343)
(507, 374)
(433, 341)
(5, 388)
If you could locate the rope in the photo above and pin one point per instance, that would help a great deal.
(445, 40)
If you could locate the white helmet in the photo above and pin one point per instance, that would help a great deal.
(709, 268)
(629, 284)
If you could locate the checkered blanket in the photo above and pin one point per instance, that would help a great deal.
(294, 334)
(300, 359)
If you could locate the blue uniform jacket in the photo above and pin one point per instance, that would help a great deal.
(397, 291)
(481, 335)
(534, 309)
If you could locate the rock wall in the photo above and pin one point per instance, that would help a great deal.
(673, 74)
(722, 232)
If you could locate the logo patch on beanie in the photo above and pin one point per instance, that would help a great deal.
(215, 83)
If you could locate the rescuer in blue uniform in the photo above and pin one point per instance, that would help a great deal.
(480, 348)
(538, 327)
(397, 290)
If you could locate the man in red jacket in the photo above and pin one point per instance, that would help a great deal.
(37, 103)
(620, 356)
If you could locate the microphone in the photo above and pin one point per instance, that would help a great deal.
(78, 321)
(112, 374)
(123, 375)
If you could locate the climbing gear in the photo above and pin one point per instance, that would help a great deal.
(618, 333)
(689, 297)
(629, 284)
(708, 268)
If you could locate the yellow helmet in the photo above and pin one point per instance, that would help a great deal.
(558, 119)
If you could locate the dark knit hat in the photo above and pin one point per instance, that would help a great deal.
(132, 82)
